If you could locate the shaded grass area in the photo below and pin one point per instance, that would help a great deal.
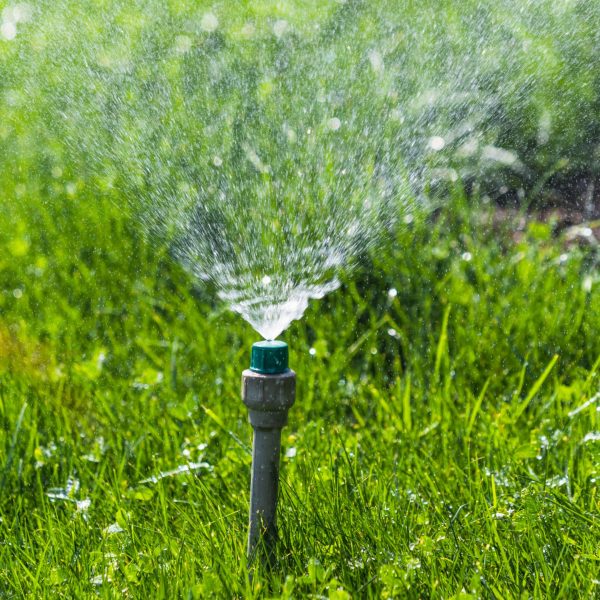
(445, 440)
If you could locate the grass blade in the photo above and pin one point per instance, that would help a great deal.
(535, 388)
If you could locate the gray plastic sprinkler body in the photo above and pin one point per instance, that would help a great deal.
(268, 390)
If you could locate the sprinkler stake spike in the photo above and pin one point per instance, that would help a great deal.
(268, 397)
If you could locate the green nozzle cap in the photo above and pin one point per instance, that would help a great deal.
(269, 358)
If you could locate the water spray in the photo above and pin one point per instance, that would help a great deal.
(268, 390)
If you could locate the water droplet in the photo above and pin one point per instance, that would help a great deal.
(396, 115)
(209, 22)
(334, 124)
(8, 30)
(183, 44)
(19, 13)
(83, 506)
(190, 467)
(290, 134)
(376, 61)
(505, 157)
(100, 579)
(437, 143)
(112, 529)
(248, 30)
(280, 27)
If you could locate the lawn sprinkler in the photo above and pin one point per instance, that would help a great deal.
(268, 390)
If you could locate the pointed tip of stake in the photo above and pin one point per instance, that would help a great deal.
(269, 357)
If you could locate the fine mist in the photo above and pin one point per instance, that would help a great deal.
(271, 153)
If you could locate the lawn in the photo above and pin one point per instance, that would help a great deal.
(445, 441)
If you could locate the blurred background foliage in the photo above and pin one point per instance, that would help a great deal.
(511, 88)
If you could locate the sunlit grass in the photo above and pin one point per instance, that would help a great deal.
(444, 442)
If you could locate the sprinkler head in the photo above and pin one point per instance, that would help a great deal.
(268, 391)
(269, 358)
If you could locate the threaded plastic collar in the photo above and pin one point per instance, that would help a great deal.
(269, 358)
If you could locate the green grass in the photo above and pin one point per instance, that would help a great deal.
(457, 457)
(444, 443)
